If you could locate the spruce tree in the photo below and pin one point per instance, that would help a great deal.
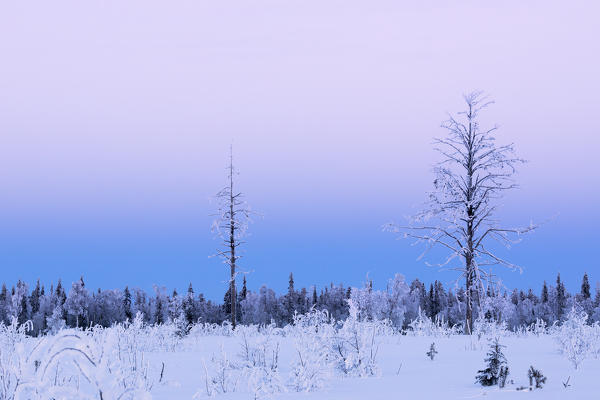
(159, 313)
(189, 307)
(496, 371)
(561, 298)
(244, 291)
(585, 287)
(227, 302)
(431, 302)
(34, 300)
(290, 301)
(544, 295)
(127, 304)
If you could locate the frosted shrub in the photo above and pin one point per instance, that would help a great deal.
(311, 367)
(220, 375)
(132, 340)
(425, 326)
(77, 365)
(13, 340)
(489, 329)
(260, 359)
(256, 366)
(576, 339)
(354, 346)
(163, 337)
(259, 350)
(538, 328)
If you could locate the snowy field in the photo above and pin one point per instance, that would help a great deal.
(405, 371)
(312, 359)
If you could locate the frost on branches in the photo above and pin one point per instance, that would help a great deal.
(312, 333)
(460, 215)
(577, 339)
(355, 345)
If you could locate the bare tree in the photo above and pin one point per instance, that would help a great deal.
(230, 225)
(459, 215)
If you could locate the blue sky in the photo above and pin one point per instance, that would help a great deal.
(116, 118)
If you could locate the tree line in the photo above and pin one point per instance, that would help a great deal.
(400, 302)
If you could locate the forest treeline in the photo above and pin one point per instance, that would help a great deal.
(52, 309)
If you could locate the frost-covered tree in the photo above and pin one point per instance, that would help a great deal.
(585, 287)
(291, 301)
(460, 215)
(128, 313)
(230, 225)
(19, 304)
(77, 304)
(4, 304)
(575, 337)
(560, 298)
(496, 370)
(189, 306)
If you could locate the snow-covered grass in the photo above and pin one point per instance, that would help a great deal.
(314, 358)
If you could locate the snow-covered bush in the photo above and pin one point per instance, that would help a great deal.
(77, 365)
(538, 328)
(576, 338)
(221, 375)
(13, 339)
(483, 328)
(354, 345)
(257, 364)
(425, 326)
(260, 359)
(311, 367)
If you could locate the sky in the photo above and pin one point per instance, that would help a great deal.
(116, 119)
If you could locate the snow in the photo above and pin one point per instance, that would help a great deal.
(451, 375)
(312, 359)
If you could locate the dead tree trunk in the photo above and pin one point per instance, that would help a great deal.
(472, 175)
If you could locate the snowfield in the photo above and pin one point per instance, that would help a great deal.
(406, 371)
(314, 358)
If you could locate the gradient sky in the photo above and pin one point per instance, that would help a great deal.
(116, 117)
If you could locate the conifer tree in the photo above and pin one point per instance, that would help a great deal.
(561, 298)
(159, 311)
(585, 287)
(3, 302)
(34, 299)
(189, 306)
(127, 304)
(290, 301)
(496, 371)
(244, 291)
(544, 296)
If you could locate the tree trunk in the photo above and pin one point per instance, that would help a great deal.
(469, 297)
(232, 244)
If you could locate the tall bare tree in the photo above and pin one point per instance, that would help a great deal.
(460, 214)
(230, 225)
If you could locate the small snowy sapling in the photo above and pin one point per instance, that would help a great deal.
(535, 375)
(496, 371)
(432, 351)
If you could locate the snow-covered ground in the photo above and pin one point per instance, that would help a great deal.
(312, 359)
(405, 371)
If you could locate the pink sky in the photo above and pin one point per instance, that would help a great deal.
(121, 111)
